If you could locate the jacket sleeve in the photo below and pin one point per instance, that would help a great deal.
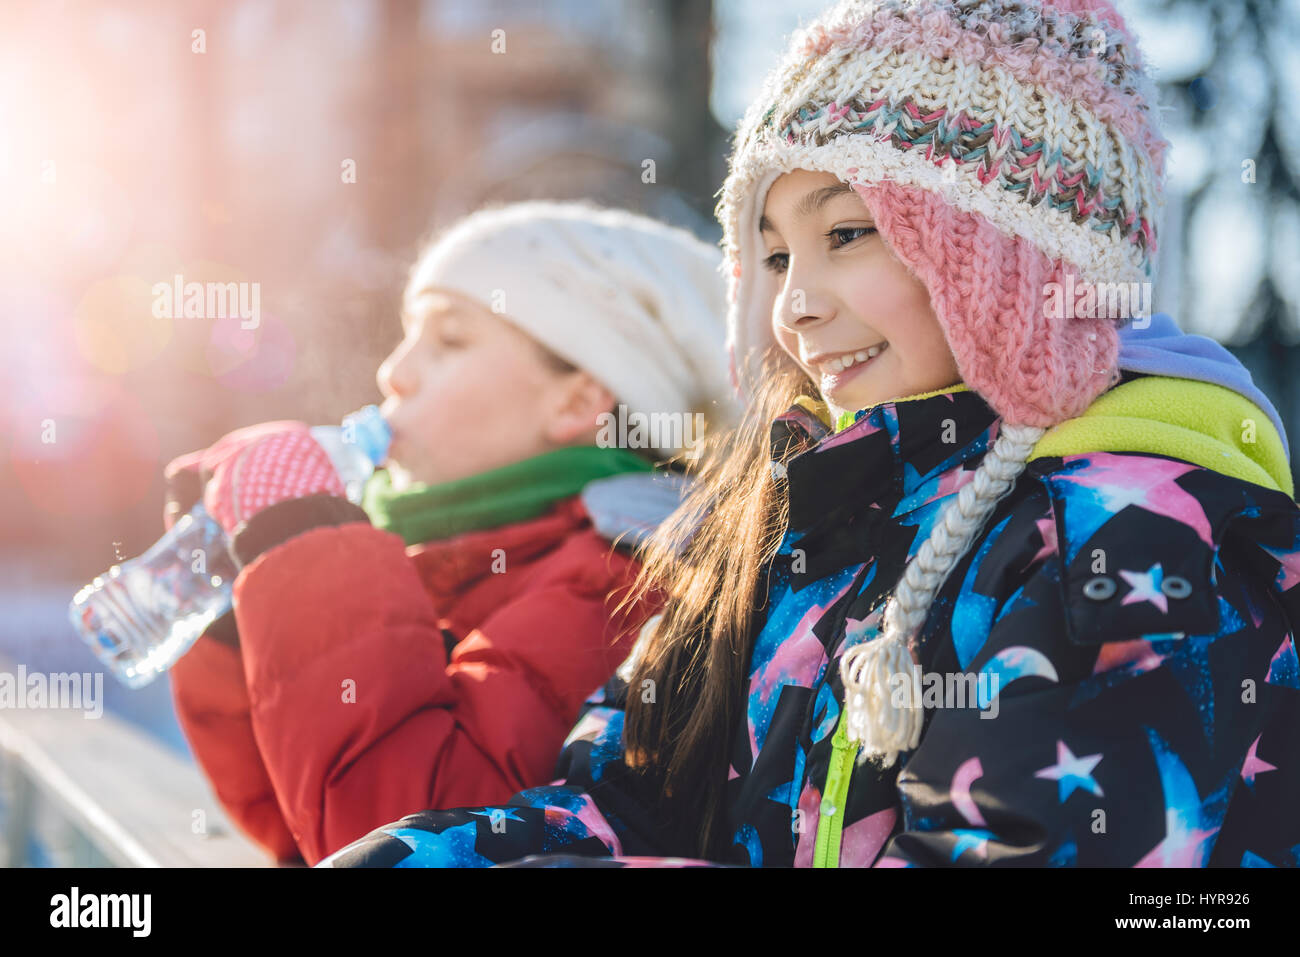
(1105, 745)
(599, 810)
(358, 712)
(212, 709)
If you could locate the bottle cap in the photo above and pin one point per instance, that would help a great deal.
(373, 434)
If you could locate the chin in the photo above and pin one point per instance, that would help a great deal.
(851, 401)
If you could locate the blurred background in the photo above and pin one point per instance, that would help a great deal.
(309, 147)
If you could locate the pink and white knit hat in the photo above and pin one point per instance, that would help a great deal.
(999, 145)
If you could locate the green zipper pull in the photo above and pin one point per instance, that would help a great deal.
(830, 820)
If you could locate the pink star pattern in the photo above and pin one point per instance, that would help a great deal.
(1149, 483)
(862, 840)
(1288, 573)
(1047, 530)
(1070, 772)
(1182, 846)
(1137, 654)
(1254, 765)
(1146, 587)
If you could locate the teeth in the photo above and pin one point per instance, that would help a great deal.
(840, 363)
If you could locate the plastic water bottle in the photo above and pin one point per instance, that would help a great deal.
(141, 616)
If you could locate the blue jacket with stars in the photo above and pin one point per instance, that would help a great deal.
(1124, 630)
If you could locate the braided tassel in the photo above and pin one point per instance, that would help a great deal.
(882, 729)
(872, 719)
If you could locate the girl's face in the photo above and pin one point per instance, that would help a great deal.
(466, 391)
(847, 310)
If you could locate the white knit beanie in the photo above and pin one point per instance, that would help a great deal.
(639, 305)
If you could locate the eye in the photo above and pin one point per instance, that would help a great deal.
(447, 333)
(449, 338)
(777, 262)
(847, 234)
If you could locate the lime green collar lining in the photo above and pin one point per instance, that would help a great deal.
(845, 419)
(1197, 422)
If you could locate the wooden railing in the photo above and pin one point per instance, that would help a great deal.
(100, 792)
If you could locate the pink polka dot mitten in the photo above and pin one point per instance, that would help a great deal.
(255, 467)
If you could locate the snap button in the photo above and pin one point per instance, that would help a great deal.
(1099, 588)
(1176, 587)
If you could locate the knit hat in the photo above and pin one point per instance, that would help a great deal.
(636, 303)
(999, 146)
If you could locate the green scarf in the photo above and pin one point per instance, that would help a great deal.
(512, 493)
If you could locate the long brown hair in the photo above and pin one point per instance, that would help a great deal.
(710, 562)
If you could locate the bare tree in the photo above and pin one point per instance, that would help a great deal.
(1247, 35)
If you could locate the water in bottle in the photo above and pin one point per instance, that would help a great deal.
(141, 616)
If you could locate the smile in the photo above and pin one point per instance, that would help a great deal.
(837, 364)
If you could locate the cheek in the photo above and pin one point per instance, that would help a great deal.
(492, 390)
(474, 414)
(785, 339)
(475, 375)
(887, 294)
(460, 392)
(898, 307)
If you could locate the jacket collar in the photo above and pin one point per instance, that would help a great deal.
(893, 459)
(894, 456)
(450, 565)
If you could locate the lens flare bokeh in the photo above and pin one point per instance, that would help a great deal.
(83, 446)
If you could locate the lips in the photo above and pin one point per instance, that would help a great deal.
(394, 446)
(838, 368)
(838, 363)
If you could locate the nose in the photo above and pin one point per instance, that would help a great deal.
(801, 305)
(395, 376)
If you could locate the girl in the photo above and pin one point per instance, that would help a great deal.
(433, 647)
(976, 596)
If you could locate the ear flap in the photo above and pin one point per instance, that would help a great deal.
(1033, 365)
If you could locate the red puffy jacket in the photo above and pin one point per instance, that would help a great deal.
(367, 680)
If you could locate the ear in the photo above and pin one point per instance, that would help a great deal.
(579, 399)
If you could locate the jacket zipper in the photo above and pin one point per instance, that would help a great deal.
(830, 819)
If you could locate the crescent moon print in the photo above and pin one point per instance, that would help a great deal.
(1012, 664)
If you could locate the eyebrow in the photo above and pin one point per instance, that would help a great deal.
(811, 203)
(411, 308)
(433, 319)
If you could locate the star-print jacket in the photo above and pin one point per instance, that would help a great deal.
(1123, 625)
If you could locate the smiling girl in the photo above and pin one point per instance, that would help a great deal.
(849, 301)
(942, 476)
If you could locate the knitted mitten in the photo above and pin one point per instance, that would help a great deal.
(256, 467)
